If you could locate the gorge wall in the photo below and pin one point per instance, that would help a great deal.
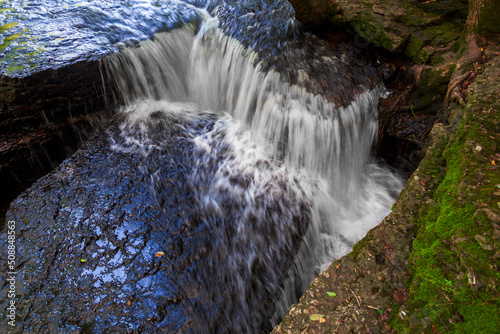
(432, 265)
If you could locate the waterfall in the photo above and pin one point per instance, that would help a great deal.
(267, 154)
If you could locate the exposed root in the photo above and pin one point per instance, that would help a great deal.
(453, 88)
(462, 72)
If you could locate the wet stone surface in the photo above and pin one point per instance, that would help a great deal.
(96, 207)
(45, 118)
(301, 58)
(38, 35)
(42, 35)
(88, 234)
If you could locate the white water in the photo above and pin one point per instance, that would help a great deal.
(274, 133)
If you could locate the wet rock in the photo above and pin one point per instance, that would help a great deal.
(279, 40)
(45, 118)
(115, 240)
(50, 35)
(456, 243)
(410, 127)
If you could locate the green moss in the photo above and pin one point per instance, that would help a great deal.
(443, 34)
(415, 44)
(12, 37)
(424, 55)
(20, 52)
(437, 59)
(359, 247)
(372, 30)
(417, 18)
(7, 26)
(453, 283)
(490, 20)
(13, 69)
(8, 40)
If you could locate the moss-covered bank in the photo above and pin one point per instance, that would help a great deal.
(454, 272)
(432, 265)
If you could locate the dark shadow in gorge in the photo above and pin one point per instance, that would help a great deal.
(44, 119)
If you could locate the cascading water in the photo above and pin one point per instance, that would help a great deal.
(273, 166)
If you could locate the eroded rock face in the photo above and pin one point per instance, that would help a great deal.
(437, 248)
(301, 58)
(413, 27)
(45, 118)
(116, 240)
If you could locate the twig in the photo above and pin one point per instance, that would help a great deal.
(356, 297)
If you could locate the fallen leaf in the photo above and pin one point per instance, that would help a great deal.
(331, 294)
(401, 295)
(316, 317)
(434, 328)
(159, 254)
(493, 162)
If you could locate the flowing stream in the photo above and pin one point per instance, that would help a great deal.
(237, 169)
(256, 139)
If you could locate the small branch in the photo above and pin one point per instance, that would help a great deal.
(357, 300)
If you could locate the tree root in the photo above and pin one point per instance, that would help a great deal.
(462, 72)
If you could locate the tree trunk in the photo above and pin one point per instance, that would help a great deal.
(483, 18)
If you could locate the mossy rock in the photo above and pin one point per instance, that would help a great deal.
(454, 264)
(431, 84)
(448, 215)
(415, 43)
(405, 26)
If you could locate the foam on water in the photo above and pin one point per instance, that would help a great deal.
(270, 140)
